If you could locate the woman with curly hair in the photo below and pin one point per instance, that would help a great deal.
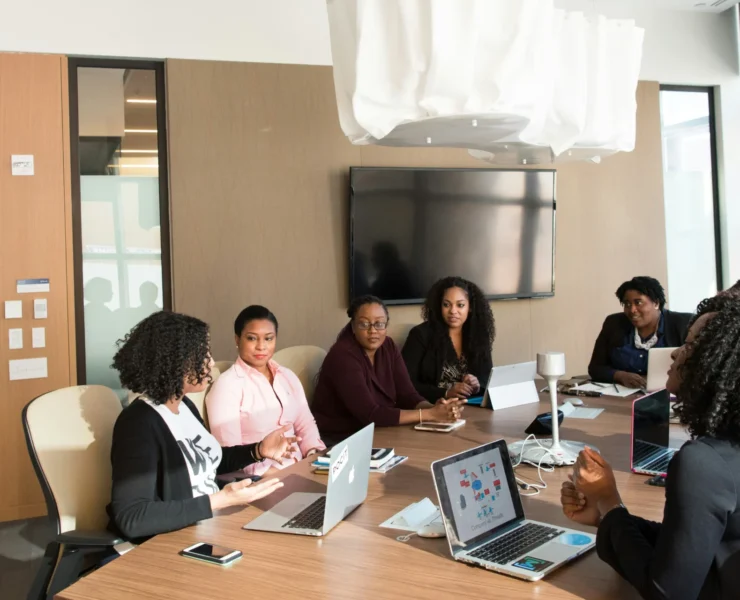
(620, 353)
(164, 460)
(450, 353)
(363, 380)
(695, 551)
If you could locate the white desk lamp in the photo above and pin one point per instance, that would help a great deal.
(551, 367)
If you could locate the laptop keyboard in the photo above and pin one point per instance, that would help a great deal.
(651, 457)
(506, 548)
(311, 517)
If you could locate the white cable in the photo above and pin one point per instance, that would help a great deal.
(542, 485)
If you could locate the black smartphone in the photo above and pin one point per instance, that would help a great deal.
(211, 553)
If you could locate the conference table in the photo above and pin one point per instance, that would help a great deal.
(359, 559)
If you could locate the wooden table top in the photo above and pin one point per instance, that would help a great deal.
(359, 559)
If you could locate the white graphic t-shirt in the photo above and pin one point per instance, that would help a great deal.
(201, 450)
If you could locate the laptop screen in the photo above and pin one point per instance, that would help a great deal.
(477, 492)
(650, 422)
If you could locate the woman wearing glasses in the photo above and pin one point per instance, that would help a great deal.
(364, 380)
(621, 351)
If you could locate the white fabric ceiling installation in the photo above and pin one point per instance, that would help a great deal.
(514, 82)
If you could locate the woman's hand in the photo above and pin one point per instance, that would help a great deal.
(594, 478)
(239, 493)
(473, 382)
(446, 410)
(576, 507)
(459, 390)
(630, 380)
(277, 446)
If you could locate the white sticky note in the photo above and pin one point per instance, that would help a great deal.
(15, 339)
(21, 164)
(38, 337)
(28, 368)
(39, 308)
(13, 309)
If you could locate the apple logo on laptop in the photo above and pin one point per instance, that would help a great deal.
(351, 474)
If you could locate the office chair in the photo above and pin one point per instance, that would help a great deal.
(68, 434)
(305, 362)
(222, 365)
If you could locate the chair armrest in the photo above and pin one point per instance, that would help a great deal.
(88, 537)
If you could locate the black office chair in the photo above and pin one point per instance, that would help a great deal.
(68, 434)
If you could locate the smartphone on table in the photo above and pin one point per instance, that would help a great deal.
(440, 427)
(211, 553)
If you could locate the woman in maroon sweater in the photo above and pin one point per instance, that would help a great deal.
(364, 380)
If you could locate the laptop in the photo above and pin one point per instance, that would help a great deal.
(651, 433)
(484, 518)
(511, 385)
(659, 361)
(304, 513)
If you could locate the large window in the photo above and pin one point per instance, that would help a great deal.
(690, 195)
(121, 237)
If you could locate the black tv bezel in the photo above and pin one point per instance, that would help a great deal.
(490, 297)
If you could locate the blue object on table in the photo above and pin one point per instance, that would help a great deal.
(475, 400)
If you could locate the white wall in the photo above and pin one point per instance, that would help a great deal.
(681, 47)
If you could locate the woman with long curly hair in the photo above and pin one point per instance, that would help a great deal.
(449, 355)
(164, 460)
(695, 551)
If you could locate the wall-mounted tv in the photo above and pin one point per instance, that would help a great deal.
(410, 227)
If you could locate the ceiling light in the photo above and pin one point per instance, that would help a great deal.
(141, 101)
(140, 131)
(138, 151)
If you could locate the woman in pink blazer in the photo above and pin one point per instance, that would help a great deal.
(256, 395)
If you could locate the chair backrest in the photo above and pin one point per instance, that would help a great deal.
(400, 331)
(68, 435)
(223, 365)
(305, 362)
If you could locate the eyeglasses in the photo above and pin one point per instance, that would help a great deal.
(378, 326)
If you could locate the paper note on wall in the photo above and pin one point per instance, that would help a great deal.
(13, 309)
(15, 339)
(39, 308)
(21, 164)
(28, 368)
(31, 286)
(38, 337)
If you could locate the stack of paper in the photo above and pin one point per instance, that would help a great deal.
(608, 389)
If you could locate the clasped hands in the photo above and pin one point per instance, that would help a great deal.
(591, 491)
(465, 388)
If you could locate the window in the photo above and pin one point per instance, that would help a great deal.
(121, 234)
(690, 195)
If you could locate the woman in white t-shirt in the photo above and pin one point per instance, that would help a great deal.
(164, 460)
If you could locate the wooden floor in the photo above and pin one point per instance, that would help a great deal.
(360, 560)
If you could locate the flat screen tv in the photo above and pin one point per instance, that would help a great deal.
(411, 227)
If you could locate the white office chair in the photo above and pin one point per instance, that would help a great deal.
(68, 435)
(305, 362)
(223, 365)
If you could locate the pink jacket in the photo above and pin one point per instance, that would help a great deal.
(243, 408)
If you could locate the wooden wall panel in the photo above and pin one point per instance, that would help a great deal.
(258, 180)
(34, 212)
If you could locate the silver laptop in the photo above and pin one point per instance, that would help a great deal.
(484, 518)
(651, 433)
(304, 513)
(659, 361)
(511, 385)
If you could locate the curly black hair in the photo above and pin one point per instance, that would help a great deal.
(479, 329)
(709, 392)
(159, 353)
(714, 304)
(255, 312)
(647, 286)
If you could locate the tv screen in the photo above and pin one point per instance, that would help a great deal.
(411, 227)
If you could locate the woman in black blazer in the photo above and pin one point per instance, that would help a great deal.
(621, 351)
(449, 355)
(164, 460)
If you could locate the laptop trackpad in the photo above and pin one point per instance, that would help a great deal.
(556, 551)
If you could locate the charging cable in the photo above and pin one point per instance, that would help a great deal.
(534, 489)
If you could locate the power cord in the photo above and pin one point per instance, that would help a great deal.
(542, 485)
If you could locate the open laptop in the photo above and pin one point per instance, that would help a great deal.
(651, 434)
(484, 518)
(511, 385)
(659, 361)
(304, 513)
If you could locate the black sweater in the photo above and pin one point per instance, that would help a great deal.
(152, 492)
(425, 357)
(613, 332)
(695, 552)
